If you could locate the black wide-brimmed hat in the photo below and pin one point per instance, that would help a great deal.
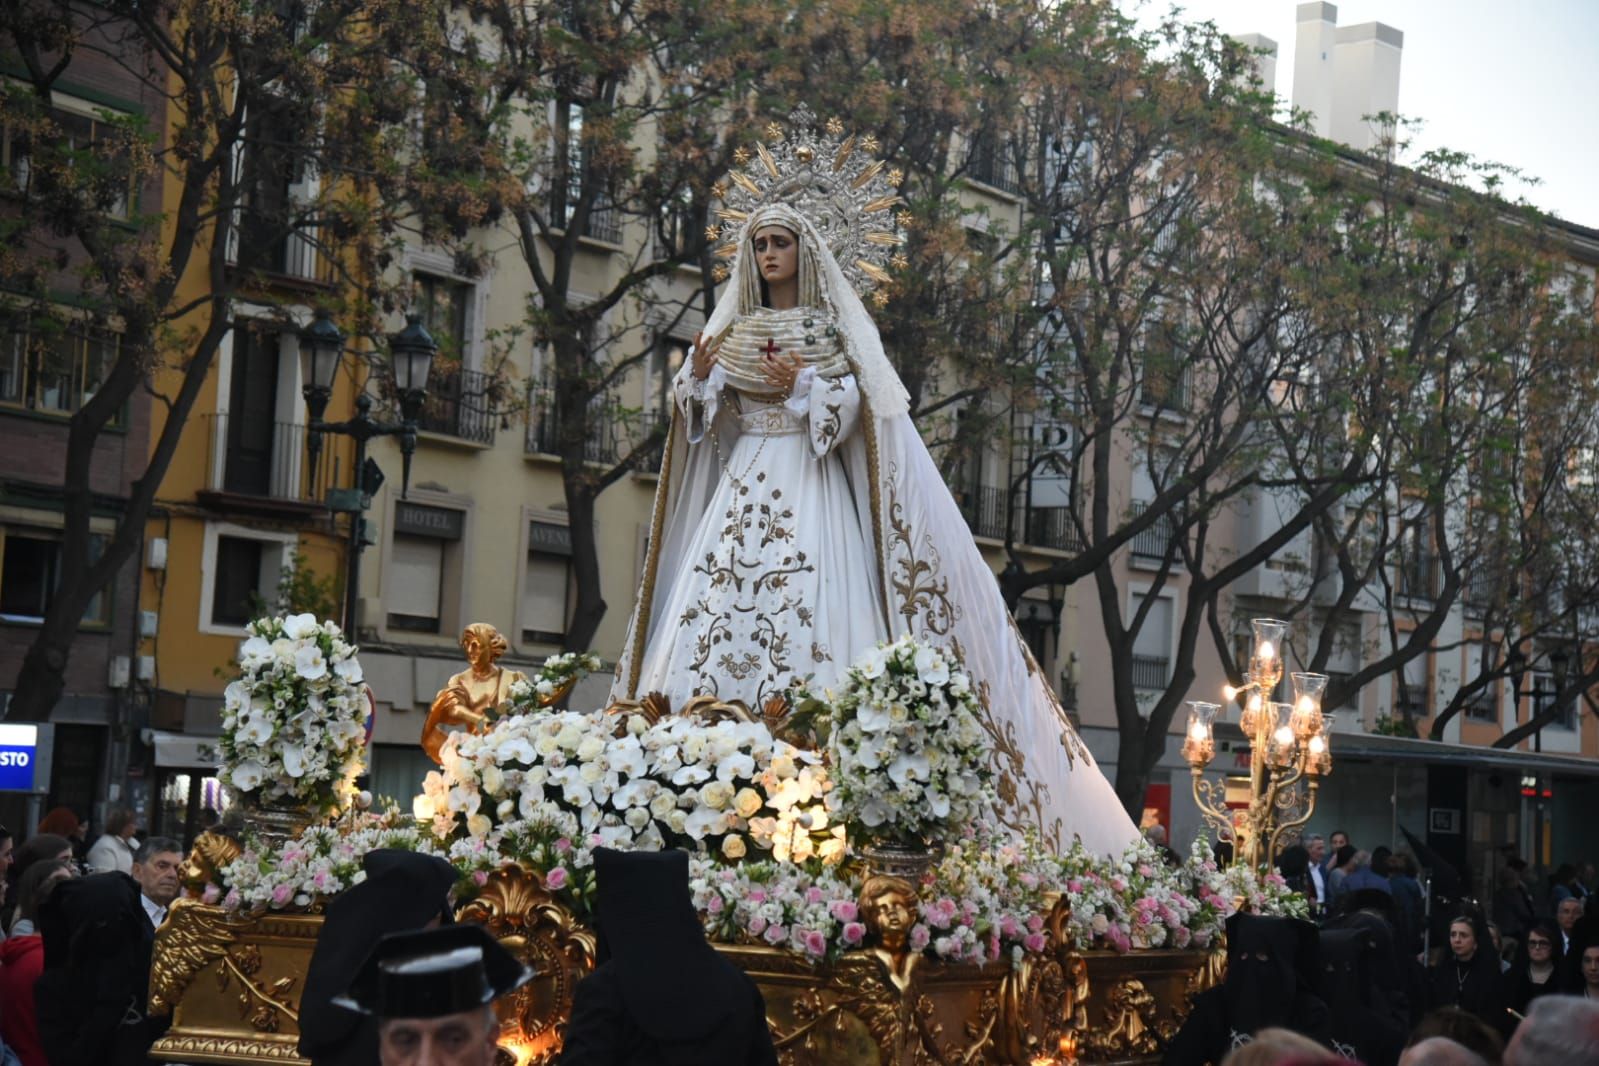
(433, 973)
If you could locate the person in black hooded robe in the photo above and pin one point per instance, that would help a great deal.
(1362, 1024)
(660, 996)
(1271, 972)
(1468, 975)
(404, 891)
(93, 996)
(1399, 981)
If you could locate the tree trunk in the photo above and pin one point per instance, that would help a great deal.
(589, 610)
(1132, 773)
(42, 679)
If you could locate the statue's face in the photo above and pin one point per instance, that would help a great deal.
(894, 918)
(777, 254)
(480, 653)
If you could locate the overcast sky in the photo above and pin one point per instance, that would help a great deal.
(1510, 82)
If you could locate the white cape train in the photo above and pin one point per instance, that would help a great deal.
(789, 536)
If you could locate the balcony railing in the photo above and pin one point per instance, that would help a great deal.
(1155, 542)
(1166, 388)
(1415, 577)
(460, 404)
(1480, 706)
(612, 435)
(984, 509)
(993, 163)
(260, 244)
(1053, 527)
(1151, 672)
(258, 457)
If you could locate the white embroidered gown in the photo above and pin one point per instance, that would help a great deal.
(781, 586)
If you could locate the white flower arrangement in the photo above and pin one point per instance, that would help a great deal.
(294, 723)
(558, 671)
(728, 788)
(907, 745)
(321, 862)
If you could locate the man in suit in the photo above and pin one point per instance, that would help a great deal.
(157, 866)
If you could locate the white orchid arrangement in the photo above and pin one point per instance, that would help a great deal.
(321, 862)
(558, 671)
(728, 788)
(294, 723)
(907, 745)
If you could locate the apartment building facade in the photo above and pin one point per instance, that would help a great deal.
(47, 372)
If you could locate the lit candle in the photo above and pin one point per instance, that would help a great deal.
(1197, 730)
(1306, 706)
(1229, 693)
(1266, 651)
(1317, 744)
(1285, 736)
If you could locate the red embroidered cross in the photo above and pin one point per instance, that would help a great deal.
(771, 348)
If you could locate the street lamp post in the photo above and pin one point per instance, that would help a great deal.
(1559, 661)
(321, 351)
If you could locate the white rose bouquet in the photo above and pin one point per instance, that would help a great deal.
(908, 751)
(294, 723)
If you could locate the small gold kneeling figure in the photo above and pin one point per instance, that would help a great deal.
(472, 697)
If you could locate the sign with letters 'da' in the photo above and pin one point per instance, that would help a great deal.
(19, 752)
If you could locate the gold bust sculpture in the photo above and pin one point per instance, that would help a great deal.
(471, 697)
(888, 906)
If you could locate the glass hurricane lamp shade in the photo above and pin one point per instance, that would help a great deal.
(412, 350)
(1199, 744)
(1266, 663)
(1318, 758)
(1283, 746)
(321, 350)
(1249, 719)
(1306, 717)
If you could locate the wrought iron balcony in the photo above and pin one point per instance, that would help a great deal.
(460, 404)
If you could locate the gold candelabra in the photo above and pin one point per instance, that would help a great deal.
(1289, 751)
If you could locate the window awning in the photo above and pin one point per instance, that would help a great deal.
(1376, 747)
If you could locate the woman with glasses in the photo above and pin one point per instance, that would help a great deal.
(1537, 967)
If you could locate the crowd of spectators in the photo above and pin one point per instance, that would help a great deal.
(1384, 976)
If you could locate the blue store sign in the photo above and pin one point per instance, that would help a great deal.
(19, 756)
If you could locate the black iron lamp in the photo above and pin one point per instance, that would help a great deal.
(411, 353)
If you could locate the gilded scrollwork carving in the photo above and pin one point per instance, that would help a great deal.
(1130, 1027)
(1209, 974)
(196, 937)
(515, 906)
(192, 938)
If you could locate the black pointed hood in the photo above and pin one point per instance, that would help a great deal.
(673, 983)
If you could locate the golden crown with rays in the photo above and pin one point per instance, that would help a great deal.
(835, 181)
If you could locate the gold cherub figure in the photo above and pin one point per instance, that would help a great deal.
(473, 696)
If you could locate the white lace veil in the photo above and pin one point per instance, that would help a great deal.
(819, 273)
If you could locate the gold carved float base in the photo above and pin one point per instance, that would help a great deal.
(233, 990)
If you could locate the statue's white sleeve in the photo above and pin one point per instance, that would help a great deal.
(698, 398)
(831, 407)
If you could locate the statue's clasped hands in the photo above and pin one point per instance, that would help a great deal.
(782, 370)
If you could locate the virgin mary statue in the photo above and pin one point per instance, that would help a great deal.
(799, 519)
